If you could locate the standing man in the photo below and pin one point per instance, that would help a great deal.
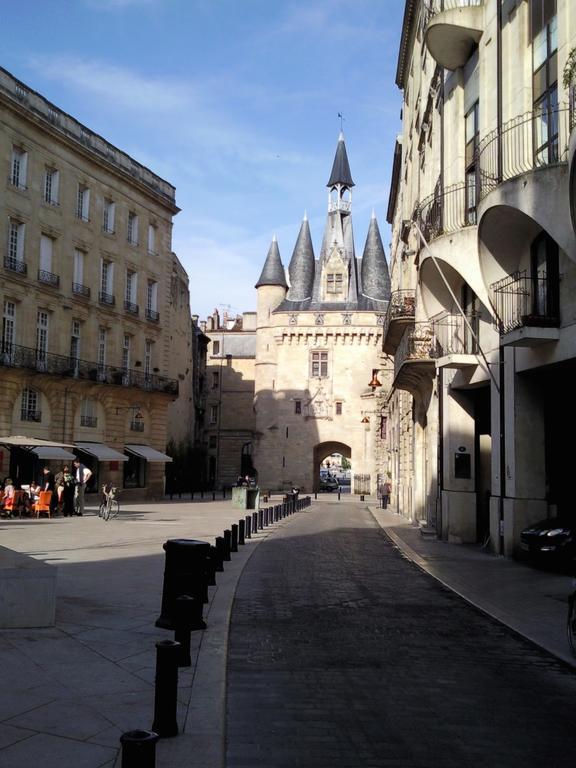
(81, 475)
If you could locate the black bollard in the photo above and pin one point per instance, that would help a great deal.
(210, 566)
(219, 554)
(254, 522)
(338, 494)
(227, 543)
(248, 526)
(138, 749)
(183, 621)
(184, 574)
(315, 495)
(266, 512)
(241, 529)
(260, 519)
(234, 538)
(166, 689)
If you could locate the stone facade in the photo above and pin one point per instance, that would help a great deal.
(96, 319)
(229, 421)
(480, 325)
(318, 345)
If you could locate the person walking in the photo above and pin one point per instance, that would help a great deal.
(49, 484)
(81, 475)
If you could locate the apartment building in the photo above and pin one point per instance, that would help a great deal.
(482, 316)
(96, 331)
(229, 418)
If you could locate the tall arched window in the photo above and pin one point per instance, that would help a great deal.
(30, 405)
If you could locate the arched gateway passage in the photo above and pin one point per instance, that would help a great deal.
(322, 451)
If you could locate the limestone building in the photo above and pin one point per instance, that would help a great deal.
(96, 320)
(229, 420)
(482, 315)
(318, 346)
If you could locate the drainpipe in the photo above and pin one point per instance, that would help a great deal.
(501, 356)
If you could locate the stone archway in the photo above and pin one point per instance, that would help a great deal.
(322, 451)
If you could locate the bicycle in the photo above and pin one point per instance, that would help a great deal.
(109, 506)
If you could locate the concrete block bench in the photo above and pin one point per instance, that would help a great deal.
(27, 591)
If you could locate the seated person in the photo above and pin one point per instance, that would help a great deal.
(9, 490)
(34, 491)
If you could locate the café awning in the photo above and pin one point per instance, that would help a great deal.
(101, 452)
(22, 441)
(148, 453)
(53, 452)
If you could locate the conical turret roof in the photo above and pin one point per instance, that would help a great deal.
(301, 269)
(375, 275)
(341, 167)
(273, 270)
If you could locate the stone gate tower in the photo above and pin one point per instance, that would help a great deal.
(318, 344)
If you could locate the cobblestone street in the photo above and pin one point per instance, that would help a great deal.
(345, 654)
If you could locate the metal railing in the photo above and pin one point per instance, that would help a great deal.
(89, 421)
(28, 415)
(447, 211)
(137, 425)
(152, 315)
(530, 141)
(453, 336)
(402, 306)
(16, 356)
(521, 300)
(418, 344)
(106, 298)
(81, 290)
(49, 278)
(129, 306)
(433, 7)
(15, 265)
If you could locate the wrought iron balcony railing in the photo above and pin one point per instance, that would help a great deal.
(137, 426)
(402, 306)
(16, 356)
(89, 421)
(15, 265)
(152, 315)
(453, 336)
(106, 298)
(419, 344)
(522, 300)
(528, 142)
(81, 290)
(130, 307)
(448, 211)
(26, 414)
(49, 278)
(433, 7)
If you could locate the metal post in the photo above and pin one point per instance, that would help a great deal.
(234, 538)
(183, 621)
(241, 530)
(138, 749)
(248, 526)
(218, 554)
(255, 522)
(166, 690)
(227, 543)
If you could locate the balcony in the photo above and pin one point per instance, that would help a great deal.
(15, 265)
(137, 425)
(456, 339)
(130, 307)
(448, 211)
(81, 290)
(528, 309)
(399, 314)
(152, 315)
(106, 298)
(48, 278)
(89, 421)
(526, 143)
(26, 414)
(16, 356)
(415, 359)
(452, 29)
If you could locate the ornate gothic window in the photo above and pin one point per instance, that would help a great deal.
(319, 365)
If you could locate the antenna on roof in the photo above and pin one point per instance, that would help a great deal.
(342, 118)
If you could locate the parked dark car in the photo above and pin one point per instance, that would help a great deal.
(329, 483)
(550, 542)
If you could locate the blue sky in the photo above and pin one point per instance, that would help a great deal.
(236, 103)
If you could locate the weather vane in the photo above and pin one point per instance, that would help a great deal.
(341, 116)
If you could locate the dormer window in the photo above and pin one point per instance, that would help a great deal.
(334, 282)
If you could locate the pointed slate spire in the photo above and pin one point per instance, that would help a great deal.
(341, 168)
(301, 269)
(375, 275)
(273, 270)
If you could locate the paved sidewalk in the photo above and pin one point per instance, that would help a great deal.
(532, 602)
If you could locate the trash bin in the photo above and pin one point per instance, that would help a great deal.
(185, 573)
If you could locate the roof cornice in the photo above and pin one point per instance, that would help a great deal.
(405, 41)
(394, 183)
